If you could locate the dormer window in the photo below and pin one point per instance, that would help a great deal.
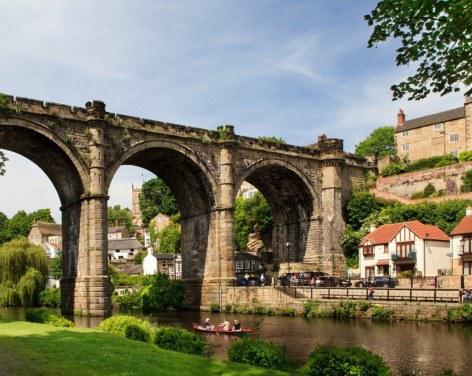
(368, 250)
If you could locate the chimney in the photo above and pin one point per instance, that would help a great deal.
(372, 228)
(468, 211)
(400, 118)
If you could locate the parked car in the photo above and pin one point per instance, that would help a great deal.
(379, 281)
(330, 281)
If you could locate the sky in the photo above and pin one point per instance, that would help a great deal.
(292, 69)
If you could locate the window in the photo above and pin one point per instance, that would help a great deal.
(239, 265)
(385, 248)
(369, 271)
(406, 147)
(405, 133)
(455, 153)
(368, 250)
(404, 248)
(467, 247)
(467, 267)
(438, 127)
(454, 137)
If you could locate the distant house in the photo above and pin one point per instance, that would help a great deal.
(48, 236)
(461, 246)
(169, 264)
(447, 132)
(122, 250)
(118, 232)
(398, 247)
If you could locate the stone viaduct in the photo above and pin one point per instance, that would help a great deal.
(80, 150)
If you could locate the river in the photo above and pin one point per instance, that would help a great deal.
(425, 346)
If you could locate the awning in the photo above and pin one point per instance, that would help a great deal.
(382, 262)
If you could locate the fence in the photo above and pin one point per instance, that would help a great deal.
(380, 294)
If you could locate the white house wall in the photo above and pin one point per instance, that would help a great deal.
(436, 257)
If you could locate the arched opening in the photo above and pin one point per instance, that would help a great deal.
(292, 238)
(193, 188)
(68, 176)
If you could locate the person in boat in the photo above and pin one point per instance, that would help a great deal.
(206, 324)
(225, 325)
(236, 326)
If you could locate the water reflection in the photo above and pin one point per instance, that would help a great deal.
(429, 347)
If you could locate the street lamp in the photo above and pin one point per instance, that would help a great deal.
(288, 244)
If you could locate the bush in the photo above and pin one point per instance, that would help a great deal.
(181, 340)
(288, 311)
(259, 353)
(393, 169)
(465, 156)
(137, 333)
(429, 190)
(258, 310)
(43, 316)
(310, 309)
(8, 295)
(161, 293)
(50, 298)
(382, 314)
(117, 325)
(215, 307)
(364, 306)
(345, 310)
(128, 302)
(462, 313)
(328, 360)
(467, 182)
(420, 164)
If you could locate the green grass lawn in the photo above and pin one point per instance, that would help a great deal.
(39, 349)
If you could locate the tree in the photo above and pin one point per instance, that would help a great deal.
(170, 238)
(156, 197)
(20, 224)
(380, 142)
(360, 206)
(118, 216)
(3, 159)
(55, 266)
(250, 215)
(435, 35)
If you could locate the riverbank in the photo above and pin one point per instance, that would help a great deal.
(39, 349)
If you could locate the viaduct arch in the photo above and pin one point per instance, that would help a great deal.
(81, 148)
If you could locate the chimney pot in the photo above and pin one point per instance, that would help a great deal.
(372, 228)
(400, 118)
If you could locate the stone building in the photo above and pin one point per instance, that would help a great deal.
(122, 250)
(44, 232)
(118, 232)
(404, 246)
(447, 132)
(461, 246)
(135, 208)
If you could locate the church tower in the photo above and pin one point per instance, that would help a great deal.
(136, 210)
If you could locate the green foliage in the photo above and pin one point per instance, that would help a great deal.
(128, 302)
(139, 257)
(381, 314)
(43, 316)
(345, 310)
(429, 190)
(288, 311)
(9, 296)
(250, 215)
(50, 297)
(360, 206)
(271, 140)
(3, 160)
(462, 313)
(335, 361)
(137, 333)
(364, 306)
(420, 164)
(170, 238)
(215, 307)
(118, 216)
(29, 287)
(4, 105)
(350, 241)
(467, 182)
(55, 266)
(311, 309)
(260, 353)
(161, 293)
(20, 224)
(435, 36)
(118, 324)
(465, 156)
(181, 340)
(381, 142)
(156, 198)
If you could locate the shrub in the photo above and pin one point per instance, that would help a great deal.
(462, 313)
(8, 295)
(328, 360)
(180, 340)
(128, 302)
(137, 332)
(50, 298)
(467, 182)
(117, 325)
(429, 190)
(345, 310)
(465, 156)
(43, 316)
(381, 314)
(161, 293)
(420, 164)
(310, 309)
(215, 307)
(288, 311)
(364, 306)
(258, 310)
(260, 353)
(393, 169)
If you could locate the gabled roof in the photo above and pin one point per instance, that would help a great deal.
(117, 229)
(385, 233)
(463, 227)
(47, 228)
(124, 244)
(440, 117)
